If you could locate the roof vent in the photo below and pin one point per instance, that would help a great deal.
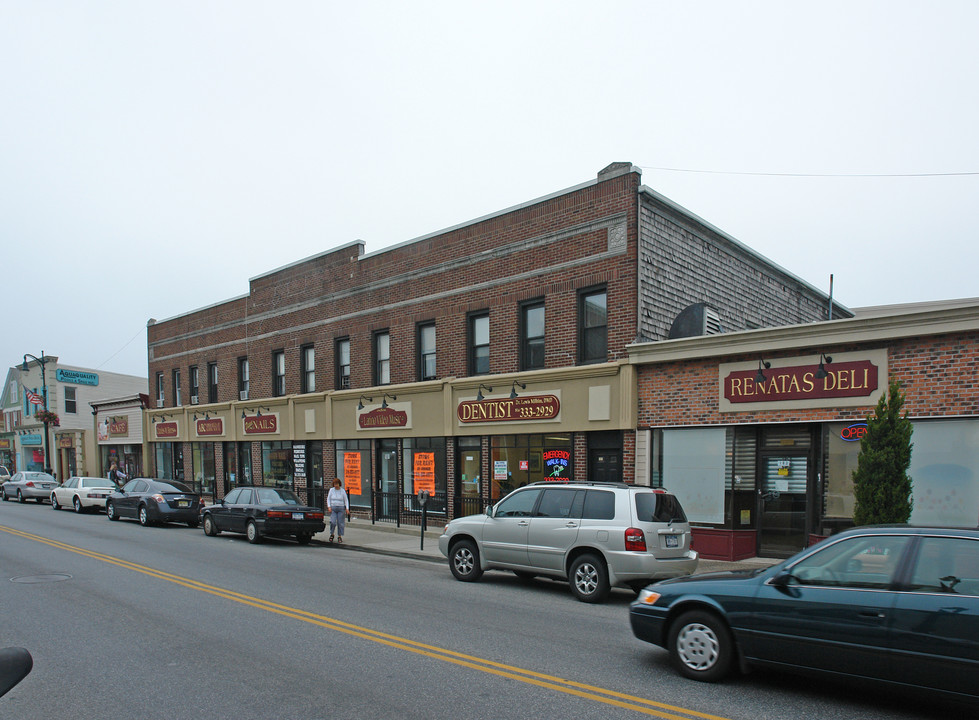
(694, 320)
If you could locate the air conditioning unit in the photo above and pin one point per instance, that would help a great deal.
(243, 395)
(194, 400)
(159, 402)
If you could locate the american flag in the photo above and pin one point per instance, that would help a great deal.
(33, 397)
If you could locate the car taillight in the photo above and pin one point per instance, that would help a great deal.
(315, 515)
(278, 514)
(29, 483)
(635, 540)
(159, 498)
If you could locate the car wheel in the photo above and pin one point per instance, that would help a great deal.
(464, 561)
(20, 497)
(4, 493)
(589, 579)
(210, 529)
(110, 511)
(144, 516)
(54, 502)
(77, 504)
(251, 532)
(701, 646)
(303, 538)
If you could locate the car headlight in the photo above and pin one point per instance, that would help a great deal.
(648, 597)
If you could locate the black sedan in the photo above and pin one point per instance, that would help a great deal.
(898, 605)
(155, 501)
(260, 511)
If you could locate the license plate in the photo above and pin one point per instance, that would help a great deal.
(297, 516)
(183, 503)
(672, 541)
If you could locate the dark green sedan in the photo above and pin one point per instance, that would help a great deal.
(898, 605)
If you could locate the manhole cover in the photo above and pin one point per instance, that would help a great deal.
(52, 577)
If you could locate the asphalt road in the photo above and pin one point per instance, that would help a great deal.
(132, 622)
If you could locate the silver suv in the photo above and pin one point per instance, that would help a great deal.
(595, 535)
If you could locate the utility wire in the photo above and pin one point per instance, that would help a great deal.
(140, 331)
(811, 175)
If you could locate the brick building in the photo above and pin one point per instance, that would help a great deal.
(466, 362)
(763, 463)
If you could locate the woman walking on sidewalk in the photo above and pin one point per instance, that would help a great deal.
(339, 506)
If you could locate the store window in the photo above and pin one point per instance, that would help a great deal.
(277, 467)
(517, 460)
(532, 335)
(593, 326)
(353, 464)
(469, 480)
(424, 468)
(203, 461)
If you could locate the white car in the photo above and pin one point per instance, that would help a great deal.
(82, 493)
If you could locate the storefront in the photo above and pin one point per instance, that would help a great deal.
(761, 451)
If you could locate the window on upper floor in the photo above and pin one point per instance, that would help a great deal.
(212, 382)
(382, 357)
(242, 378)
(593, 326)
(307, 369)
(478, 342)
(159, 390)
(176, 387)
(278, 373)
(195, 381)
(342, 363)
(71, 406)
(426, 351)
(532, 335)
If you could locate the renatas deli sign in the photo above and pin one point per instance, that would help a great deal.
(851, 379)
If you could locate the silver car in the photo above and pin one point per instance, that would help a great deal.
(594, 535)
(24, 485)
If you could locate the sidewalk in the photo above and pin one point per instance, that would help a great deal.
(406, 541)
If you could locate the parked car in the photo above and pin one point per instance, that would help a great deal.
(899, 605)
(30, 484)
(261, 511)
(4, 474)
(154, 501)
(82, 493)
(595, 535)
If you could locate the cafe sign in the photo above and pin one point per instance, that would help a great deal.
(851, 381)
(118, 425)
(529, 407)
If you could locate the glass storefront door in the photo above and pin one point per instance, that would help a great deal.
(387, 495)
(782, 503)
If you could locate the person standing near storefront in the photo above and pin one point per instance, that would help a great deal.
(339, 505)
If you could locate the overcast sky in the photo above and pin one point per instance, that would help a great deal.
(154, 156)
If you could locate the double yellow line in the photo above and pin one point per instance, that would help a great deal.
(568, 687)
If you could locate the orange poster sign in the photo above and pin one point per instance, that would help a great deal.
(351, 473)
(425, 472)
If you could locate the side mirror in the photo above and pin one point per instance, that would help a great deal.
(489, 511)
(783, 579)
